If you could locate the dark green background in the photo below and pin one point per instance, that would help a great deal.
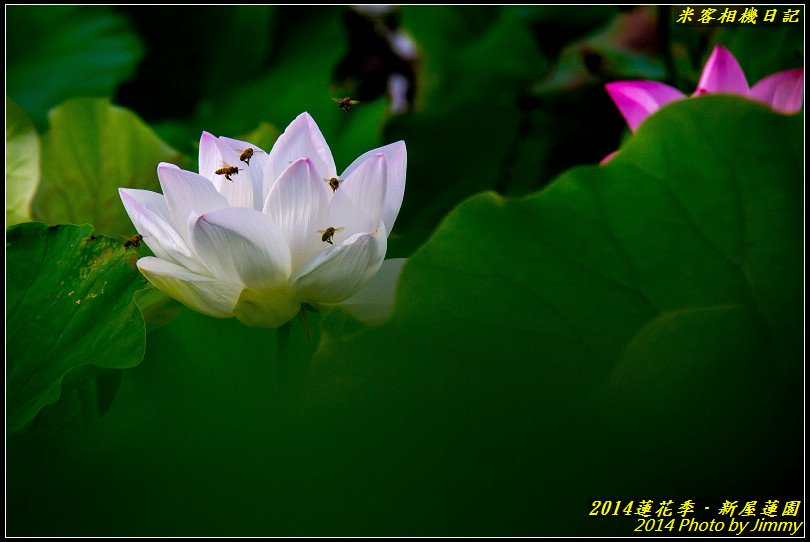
(631, 331)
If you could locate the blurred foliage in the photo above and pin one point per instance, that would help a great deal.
(466, 116)
(625, 49)
(588, 341)
(271, 72)
(633, 328)
(91, 150)
(519, 88)
(22, 164)
(59, 52)
(70, 306)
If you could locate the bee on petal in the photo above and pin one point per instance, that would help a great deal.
(345, 103)
(334, 183)
(328, 233)
(227, 171)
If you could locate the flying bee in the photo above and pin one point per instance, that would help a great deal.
(328, 233)
(247, 154)
(228, 171)
(345, 103)
(134, 241)
(333, 183)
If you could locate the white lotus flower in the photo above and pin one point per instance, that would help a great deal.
(257, 246)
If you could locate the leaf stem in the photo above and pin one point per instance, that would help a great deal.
(302, 315)
(283, 354)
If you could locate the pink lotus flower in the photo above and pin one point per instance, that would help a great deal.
(782, 91)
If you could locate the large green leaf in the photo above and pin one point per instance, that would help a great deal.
(22, 164)
(92, 149)
(631, 332)
(59, 52)
(69, 309)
